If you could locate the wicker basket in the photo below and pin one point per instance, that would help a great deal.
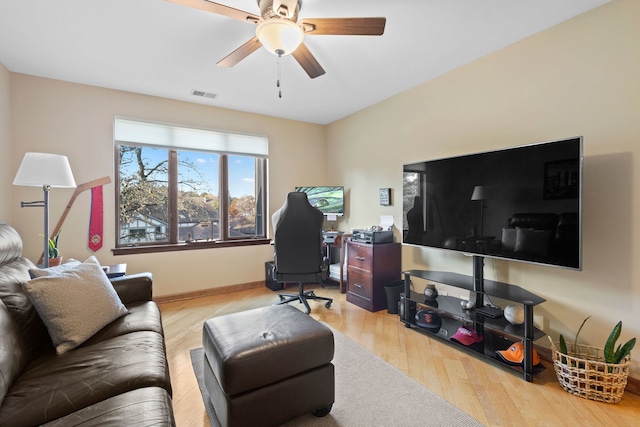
(585, 373)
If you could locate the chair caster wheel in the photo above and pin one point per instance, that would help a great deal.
(281, 297)
(328, 305)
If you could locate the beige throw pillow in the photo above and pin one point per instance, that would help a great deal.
(533, 242)
(50, 271)
(509, 236)
(75, 303)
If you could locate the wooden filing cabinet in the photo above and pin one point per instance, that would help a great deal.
(369, 268)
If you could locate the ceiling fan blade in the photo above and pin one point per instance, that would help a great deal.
(308, 62)
(344, 26)
(240, 53)
(218, 8)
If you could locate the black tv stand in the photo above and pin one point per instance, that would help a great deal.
(498, 333)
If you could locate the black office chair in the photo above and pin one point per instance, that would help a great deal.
(298, 248)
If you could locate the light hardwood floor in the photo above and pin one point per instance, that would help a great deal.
(493, 395)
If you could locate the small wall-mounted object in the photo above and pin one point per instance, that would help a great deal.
(385, 197)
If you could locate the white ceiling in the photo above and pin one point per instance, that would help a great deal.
(164, 49)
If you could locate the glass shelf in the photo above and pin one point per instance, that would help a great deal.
(487, 348)
(495, 289)
(449, 307)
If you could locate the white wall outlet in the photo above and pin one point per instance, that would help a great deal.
(539, 321)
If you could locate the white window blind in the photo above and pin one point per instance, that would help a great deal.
(162, 135)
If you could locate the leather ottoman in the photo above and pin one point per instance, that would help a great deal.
(266, 366)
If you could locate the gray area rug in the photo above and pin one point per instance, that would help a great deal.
(369, 392)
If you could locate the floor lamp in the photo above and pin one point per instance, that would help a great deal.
(44, 170)
(481, 192)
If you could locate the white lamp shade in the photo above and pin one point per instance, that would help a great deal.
(39, 169)
(279, 34)
(481, 192)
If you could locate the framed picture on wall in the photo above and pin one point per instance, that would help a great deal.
(561, 179)
(385, 197)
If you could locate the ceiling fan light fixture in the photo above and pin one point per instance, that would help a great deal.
(279, 36)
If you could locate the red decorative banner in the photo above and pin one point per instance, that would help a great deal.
(96, 219)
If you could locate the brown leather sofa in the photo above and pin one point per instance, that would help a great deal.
(119, 376)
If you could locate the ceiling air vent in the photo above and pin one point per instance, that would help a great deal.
(203, 94)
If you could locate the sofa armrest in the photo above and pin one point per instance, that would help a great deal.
(134, 288)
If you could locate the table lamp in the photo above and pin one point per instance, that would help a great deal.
(44, 170)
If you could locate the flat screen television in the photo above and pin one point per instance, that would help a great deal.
(328, 199)
(522, 203)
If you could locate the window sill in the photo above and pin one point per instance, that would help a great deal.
(147, 249)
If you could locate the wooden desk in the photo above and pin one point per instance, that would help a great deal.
(340, 244)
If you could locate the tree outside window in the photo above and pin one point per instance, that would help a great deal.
(146, 194)
(187, 185)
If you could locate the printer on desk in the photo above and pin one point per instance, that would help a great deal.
(371, 236)
(329, 237)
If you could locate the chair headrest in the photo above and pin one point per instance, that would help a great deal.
(297, 199)
(296, 204)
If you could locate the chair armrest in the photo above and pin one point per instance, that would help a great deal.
(134, 288)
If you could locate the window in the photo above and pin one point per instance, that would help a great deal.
(179, 185)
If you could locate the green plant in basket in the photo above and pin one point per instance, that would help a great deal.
(610, 355)
(563, 343)
(594, 373)
(621, 351)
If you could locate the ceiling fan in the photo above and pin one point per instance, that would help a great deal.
(280, 32)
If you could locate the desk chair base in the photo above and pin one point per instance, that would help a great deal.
(302, 296)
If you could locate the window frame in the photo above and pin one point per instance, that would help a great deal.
(173, 243)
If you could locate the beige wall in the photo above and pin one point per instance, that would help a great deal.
(579, 78)
(5, 146)
(77, 120)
